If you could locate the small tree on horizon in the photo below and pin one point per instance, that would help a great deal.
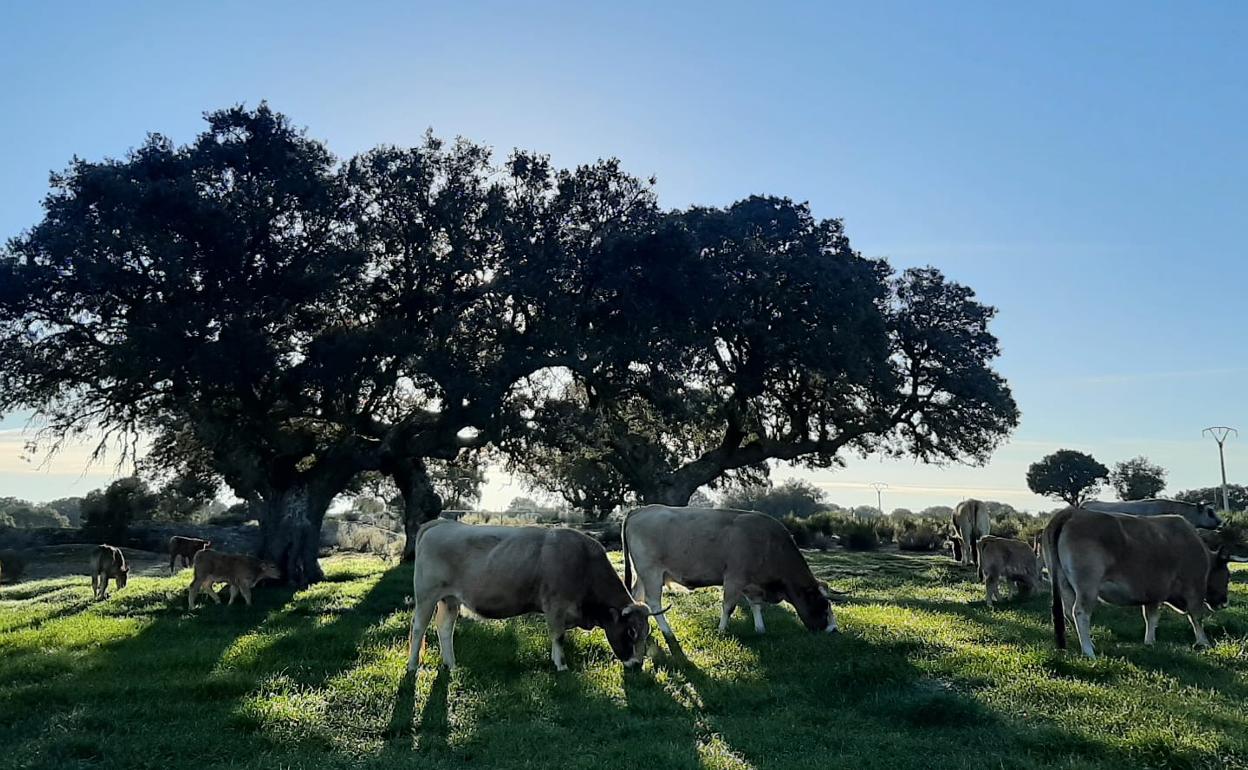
(1071, 476)
(1137, 479)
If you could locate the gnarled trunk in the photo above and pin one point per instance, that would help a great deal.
(421, 503)
(290, 529)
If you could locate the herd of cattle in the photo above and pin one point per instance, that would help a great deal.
(1143, 553)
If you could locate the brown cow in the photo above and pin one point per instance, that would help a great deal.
(107, 562)
(1132, 561)
(186, 547)
(239, 571)
(502, 572)
(1002, 558)
(750, 554)
(970, 523)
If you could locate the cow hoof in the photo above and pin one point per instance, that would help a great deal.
(561, 668)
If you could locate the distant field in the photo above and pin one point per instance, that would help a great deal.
(923, 676)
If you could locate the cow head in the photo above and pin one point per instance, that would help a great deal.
(1225, 545)
(268, 570)
(814, 606)
(1206, 517)
(122, 576)
(627, 630)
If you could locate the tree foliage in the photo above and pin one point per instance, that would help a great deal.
(1068, 475)
(1137, 479)
(1237, 495)
(109, 512)
(793, 497)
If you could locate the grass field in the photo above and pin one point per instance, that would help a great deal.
(923, 676)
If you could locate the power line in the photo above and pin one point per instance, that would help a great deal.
(1220, 433)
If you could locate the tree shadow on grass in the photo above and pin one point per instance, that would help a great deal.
(107, 672)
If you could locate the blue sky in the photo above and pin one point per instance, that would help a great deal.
(1082, 166)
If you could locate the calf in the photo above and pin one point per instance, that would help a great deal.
(107, 562)
(502, 572)
(1132, 561)
(239, 571)
(750, 554)
(1001, 558)
(186, 547)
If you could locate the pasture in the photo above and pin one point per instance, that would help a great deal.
(923, 675)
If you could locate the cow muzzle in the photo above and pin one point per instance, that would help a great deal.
(632, 663)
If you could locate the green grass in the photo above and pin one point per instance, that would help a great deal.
(923, 676)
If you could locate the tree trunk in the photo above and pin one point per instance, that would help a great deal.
(290, 529)
(673, 493)
(420, 502)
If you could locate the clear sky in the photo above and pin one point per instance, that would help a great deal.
(1083, 166)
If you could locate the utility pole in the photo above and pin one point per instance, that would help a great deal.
(879, 487)
(1220, 434)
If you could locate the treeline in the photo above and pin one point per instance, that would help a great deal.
(281, 322)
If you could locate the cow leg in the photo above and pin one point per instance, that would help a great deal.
(421, 614)
(1083, 621)
(732, 595)
(173, 557)
(1198, 628)
(990, 588)
(245, 590)
(190, 595)
(208, 589)
(652, 589)
(557, 629)
(233, 593)
(448, 612)
(1152, 612)
(757, 609)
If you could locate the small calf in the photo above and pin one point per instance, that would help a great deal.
(239, 571)
(186, 547)
(107, 562)
(1004, 558)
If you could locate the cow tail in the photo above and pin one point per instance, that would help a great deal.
(628, 565)
(1051, 534)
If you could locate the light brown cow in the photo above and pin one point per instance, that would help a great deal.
(1132, 561)
(970, 523)
(750, 554)
(186, 547)
(1002, 558)
(502, 572)
(107, 562)
(239, 571)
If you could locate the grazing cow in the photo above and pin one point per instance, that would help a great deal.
(239, 571)
(1201, 515)
(1132, 561)
(502, 572)
(1002, 558)
(750, 554)
(970, 523)
(186, 547)
(107, 562)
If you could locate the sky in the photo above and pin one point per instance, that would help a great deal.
(1082, 166)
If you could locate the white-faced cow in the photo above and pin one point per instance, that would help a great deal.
(1132, 561)
(970, 523)
(502, 572)
(750, 554)
(1201, 515)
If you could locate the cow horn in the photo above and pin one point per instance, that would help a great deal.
(661, 610)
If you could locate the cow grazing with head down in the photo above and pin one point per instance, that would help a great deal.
(502, 572)
(1133, 561)
(1002, 558)
(185, 547)
(970, 523)
(1201, 515)
(750, 554)
(107, 562)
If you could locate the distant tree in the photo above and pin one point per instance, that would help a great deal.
(867, 512)
(368, 505)
(108, 513)
(901, 513)
(1068, 475)
(458, 482)
(23, 514)
(69, 507)
(522, 504)
(700, 499)
(937, 512)
(998, 510)
(793, 497)
(183, 496)
(1137, 479)
(1237, 494)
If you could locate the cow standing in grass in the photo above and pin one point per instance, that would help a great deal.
(1201, 515)
(750, 554)
(107, 562)
(970, 523)
(1134, 561)
(1002, 558)
(503, 572)
(240, 572)
(186, 548)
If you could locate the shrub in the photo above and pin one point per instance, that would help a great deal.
(921, 537)
(12, 565)
(860, 536)
(800, 529)
(1006, 528)
(886, 530)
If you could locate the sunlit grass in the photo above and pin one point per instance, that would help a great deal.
(923, 675)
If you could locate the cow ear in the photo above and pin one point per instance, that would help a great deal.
(615, 615)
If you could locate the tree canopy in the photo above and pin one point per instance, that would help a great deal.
(1137, 479)
(1068, 475)
(281, 321)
